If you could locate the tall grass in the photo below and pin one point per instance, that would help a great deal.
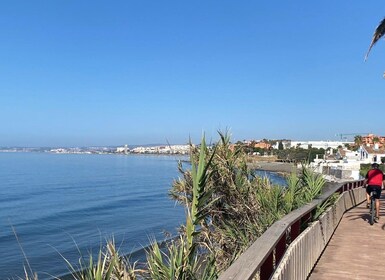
(28, 272)
(183, 258)
(240, 206)
(109, 264)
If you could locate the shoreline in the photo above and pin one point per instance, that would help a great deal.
(279, 167)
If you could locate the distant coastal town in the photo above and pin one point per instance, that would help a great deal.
(341, 159)
(262, 147)
(124, 150)
(256, 147)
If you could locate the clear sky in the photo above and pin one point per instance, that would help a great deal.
(84, 73)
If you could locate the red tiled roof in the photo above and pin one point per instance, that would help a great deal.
(371, 150)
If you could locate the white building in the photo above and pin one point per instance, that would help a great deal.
(167, 149)
(349, 164)
(124, 149)
(285, 143)
(337, 169)
(319, 144)
(370, 154)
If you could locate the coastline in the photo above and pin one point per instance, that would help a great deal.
(279, 167)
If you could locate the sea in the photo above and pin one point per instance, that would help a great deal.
(57, 207)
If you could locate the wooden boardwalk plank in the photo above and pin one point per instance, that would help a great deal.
(356, 250)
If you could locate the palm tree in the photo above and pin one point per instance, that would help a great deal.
(376, 141)
(378, 33)
(358, 140)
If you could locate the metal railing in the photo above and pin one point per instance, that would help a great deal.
(263, 257)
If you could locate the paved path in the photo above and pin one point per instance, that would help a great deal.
(356, 250)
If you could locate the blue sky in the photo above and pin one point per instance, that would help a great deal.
(83, 73)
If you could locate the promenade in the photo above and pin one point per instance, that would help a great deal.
(356, 250)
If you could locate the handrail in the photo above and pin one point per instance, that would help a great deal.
(269, 248)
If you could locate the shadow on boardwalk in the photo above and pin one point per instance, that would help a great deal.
(356, 250)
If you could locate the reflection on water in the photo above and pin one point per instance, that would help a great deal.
(275, 178)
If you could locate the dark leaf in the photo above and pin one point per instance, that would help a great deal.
(378, 33)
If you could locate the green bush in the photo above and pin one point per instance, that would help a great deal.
(240, 206)
(365, 167)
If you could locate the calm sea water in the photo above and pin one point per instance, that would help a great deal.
(60, 204)
(273, 177)
(56, 200)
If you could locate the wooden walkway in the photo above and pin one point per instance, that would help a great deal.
(356, 250)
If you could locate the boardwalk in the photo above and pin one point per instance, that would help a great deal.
(356, 250)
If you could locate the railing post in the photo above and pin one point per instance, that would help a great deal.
(306, 218)
(340, 190)
(280, 249)
(295, 230)
(267, 267)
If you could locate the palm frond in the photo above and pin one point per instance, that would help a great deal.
(378, 33)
